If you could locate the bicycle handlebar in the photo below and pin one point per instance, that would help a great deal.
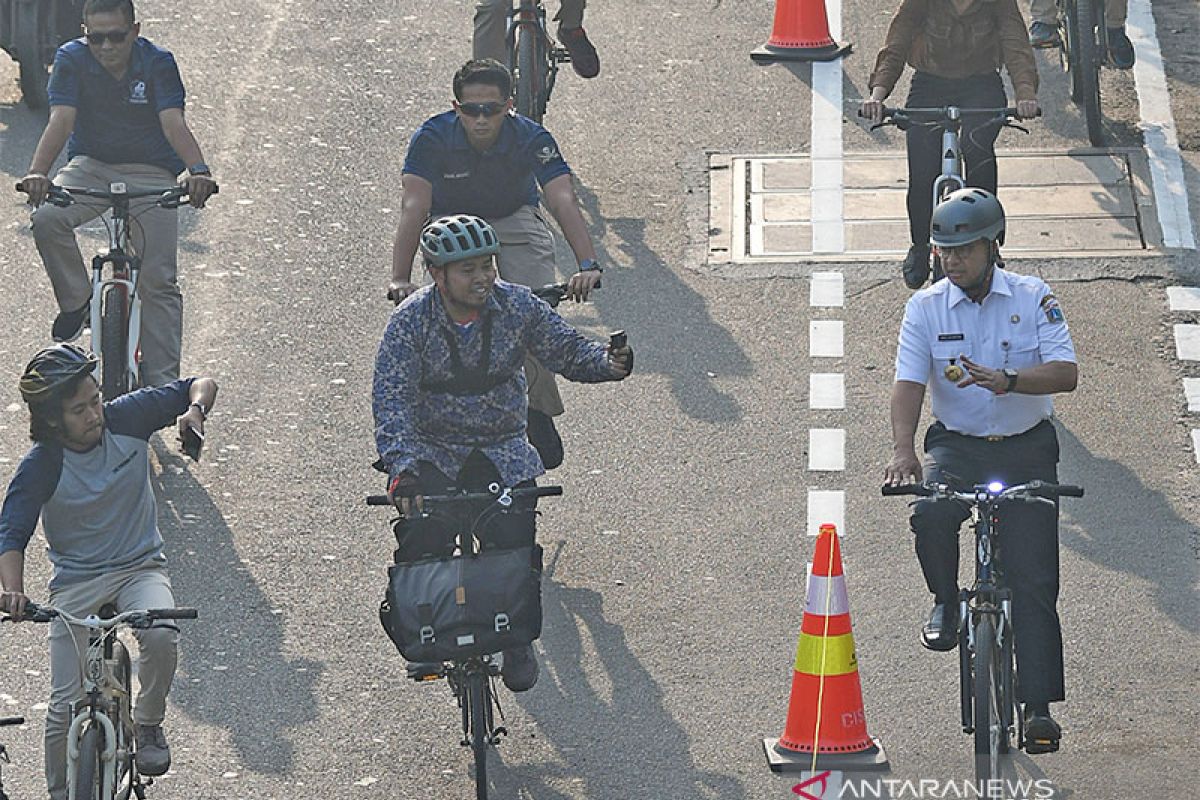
(169, 197)
(137, 618)
(1026, 492)
(11, 721)
(938, 117)
(473, 497)
(555, 293)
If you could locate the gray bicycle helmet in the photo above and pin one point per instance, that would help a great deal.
(966, 216)
(455, 238)
(52, 369)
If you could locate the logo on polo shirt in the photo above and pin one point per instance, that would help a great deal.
(547, 154)
(137, 92)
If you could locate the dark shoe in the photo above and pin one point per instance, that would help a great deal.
(941, 631)
(916, 266)
(544, 438)
(520, 671)
(1042, 733)
(584, 57)
(69, 324)
(153, 757)
(1044, 34)
(1120, 49)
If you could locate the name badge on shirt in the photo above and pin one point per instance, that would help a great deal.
(137, 92)
(950, 337)
(455, 176)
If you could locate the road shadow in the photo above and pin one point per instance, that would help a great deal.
(1116, 535)
(614, 706)
(684, 343)
(233, 673)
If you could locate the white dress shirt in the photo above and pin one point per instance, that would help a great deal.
(1018, 325)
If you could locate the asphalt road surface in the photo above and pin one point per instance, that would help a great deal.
(676, 558)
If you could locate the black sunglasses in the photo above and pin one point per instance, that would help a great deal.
(116, 37)
(481, 109)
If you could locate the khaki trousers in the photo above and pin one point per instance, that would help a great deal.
(1046, 11)
(155, 236)
(527, 257)
(144, 586)
(491, 24)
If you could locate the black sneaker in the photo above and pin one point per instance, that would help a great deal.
(1120, 49)
(153, 756)
(69, 324)
(584, 57)
(1042, 733)
(1044, 34)
(520, 670)
(916, 266)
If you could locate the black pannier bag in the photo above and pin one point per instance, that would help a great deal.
(455, 608)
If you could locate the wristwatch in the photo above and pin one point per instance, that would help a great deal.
(590, 265)
(1011, 374)
(199, 169)
(203, 410)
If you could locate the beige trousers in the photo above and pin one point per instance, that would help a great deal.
(491, 23)
(155, 236)
(145, 586)
(1046, 11)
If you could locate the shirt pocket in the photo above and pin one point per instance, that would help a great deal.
(947, 353)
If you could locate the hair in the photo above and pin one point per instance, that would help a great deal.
(486, 71)
(46, 415)
(108, 6)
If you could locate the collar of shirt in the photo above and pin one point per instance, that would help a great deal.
(503, 145)
(137, 60)
(999, 286)
(443, 317)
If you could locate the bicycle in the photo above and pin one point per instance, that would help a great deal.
(533, 58)
(4, 752)
(115, 317)
(987, 674)
(948, 119)
(1083, 49)
(471, 679)
(101, 744)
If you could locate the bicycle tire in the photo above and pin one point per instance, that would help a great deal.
(114, 333)
(530, 83)
(126, 767)
(479, 701)
(1089, 63)
(88, 769)
(32, 70)
(989, 724)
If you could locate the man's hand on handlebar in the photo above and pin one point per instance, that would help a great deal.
(904, 467)
(13, 604)
(199, 189)
(1028, 109)
(872, 107)
(582, 283)
(398, 290)
(405, 494)
(37, 186)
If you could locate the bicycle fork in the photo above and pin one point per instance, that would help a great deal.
(966, 653)
(125, 273)
(108, 756)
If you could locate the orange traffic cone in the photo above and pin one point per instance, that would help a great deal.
(801, 33)
(826, 726)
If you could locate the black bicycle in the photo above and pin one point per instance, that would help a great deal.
(116, 306)
(472, 679)
(533, 58)
(1083, 49)
(4, 752)
(987, 671)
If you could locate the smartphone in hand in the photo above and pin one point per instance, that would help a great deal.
(192, 443)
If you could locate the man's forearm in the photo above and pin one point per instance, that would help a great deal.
(179, 136)
(560, 199)
(906, 414)
(204, 392)
(404, 249)
(50, 145)
(12, 571)
(1052, 377)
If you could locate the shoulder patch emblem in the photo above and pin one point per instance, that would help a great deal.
(1052, 310)
(547, 154)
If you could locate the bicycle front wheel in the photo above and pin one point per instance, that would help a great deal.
(531, 68)
(479, 699)
(126, 770)
(991, 701)
(114, 341)
(89, 772)
(1088, 61)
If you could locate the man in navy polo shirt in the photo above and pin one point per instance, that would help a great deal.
(116, 101)
(481, 159)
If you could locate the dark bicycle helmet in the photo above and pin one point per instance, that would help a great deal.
(52, 368)
(967, 216)
(455, 238)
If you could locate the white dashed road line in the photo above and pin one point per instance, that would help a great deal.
(825, 338)
(1183, 298)
(827, 290)
(827, 449)
(825, 507)
(1187, 342)
(826, 390)
(1191, 390)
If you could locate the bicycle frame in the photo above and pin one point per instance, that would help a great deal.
(954, 170)
(528, 17)
(4, 752)
(126, 269)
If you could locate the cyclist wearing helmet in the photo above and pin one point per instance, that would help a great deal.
(992, 346)
(483, 160)
(449, 395)
(491, 24)
(88, 478)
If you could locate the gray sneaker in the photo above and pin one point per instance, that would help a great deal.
(153, 757)
(1044, 34)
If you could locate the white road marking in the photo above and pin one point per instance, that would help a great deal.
(825, 338)
(1191, 390)
(826, 506)
(827, 290)
(1158, 127)
(827, 449)
(826, 390)
(1196, 444)
(1187, 342)
(828, 223)
(1183, 298)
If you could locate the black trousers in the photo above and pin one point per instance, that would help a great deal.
(925, 144)
(1027, 547)
(435, 536)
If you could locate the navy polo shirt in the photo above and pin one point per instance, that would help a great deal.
(117, 120)
(491, 184)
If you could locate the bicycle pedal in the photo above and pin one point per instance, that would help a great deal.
(1038, 746)
(426, 673)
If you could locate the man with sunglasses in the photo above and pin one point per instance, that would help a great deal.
(116, 103)
(992, 346)
(482, 160)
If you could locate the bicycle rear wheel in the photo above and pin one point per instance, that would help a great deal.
(991, 702)
(479, 699)
(1088, 60)
(531, 78)
(88, 769)
(114, 341)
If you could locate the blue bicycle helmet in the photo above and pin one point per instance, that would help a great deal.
(449, 239)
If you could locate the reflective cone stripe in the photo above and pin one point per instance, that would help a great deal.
(830, 655)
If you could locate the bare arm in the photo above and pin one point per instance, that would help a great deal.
(180, 137)
(204, 392)
(414, 210)
(907, 398)
(37, 182)
(12, 579)
(559, 195)
(1052, 377)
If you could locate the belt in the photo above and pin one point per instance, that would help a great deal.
(1001, 438)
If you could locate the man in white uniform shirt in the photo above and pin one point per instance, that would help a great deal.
(992, 346)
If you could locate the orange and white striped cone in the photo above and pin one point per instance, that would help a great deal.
(826, 725)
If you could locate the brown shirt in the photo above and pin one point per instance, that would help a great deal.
(957, 39)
